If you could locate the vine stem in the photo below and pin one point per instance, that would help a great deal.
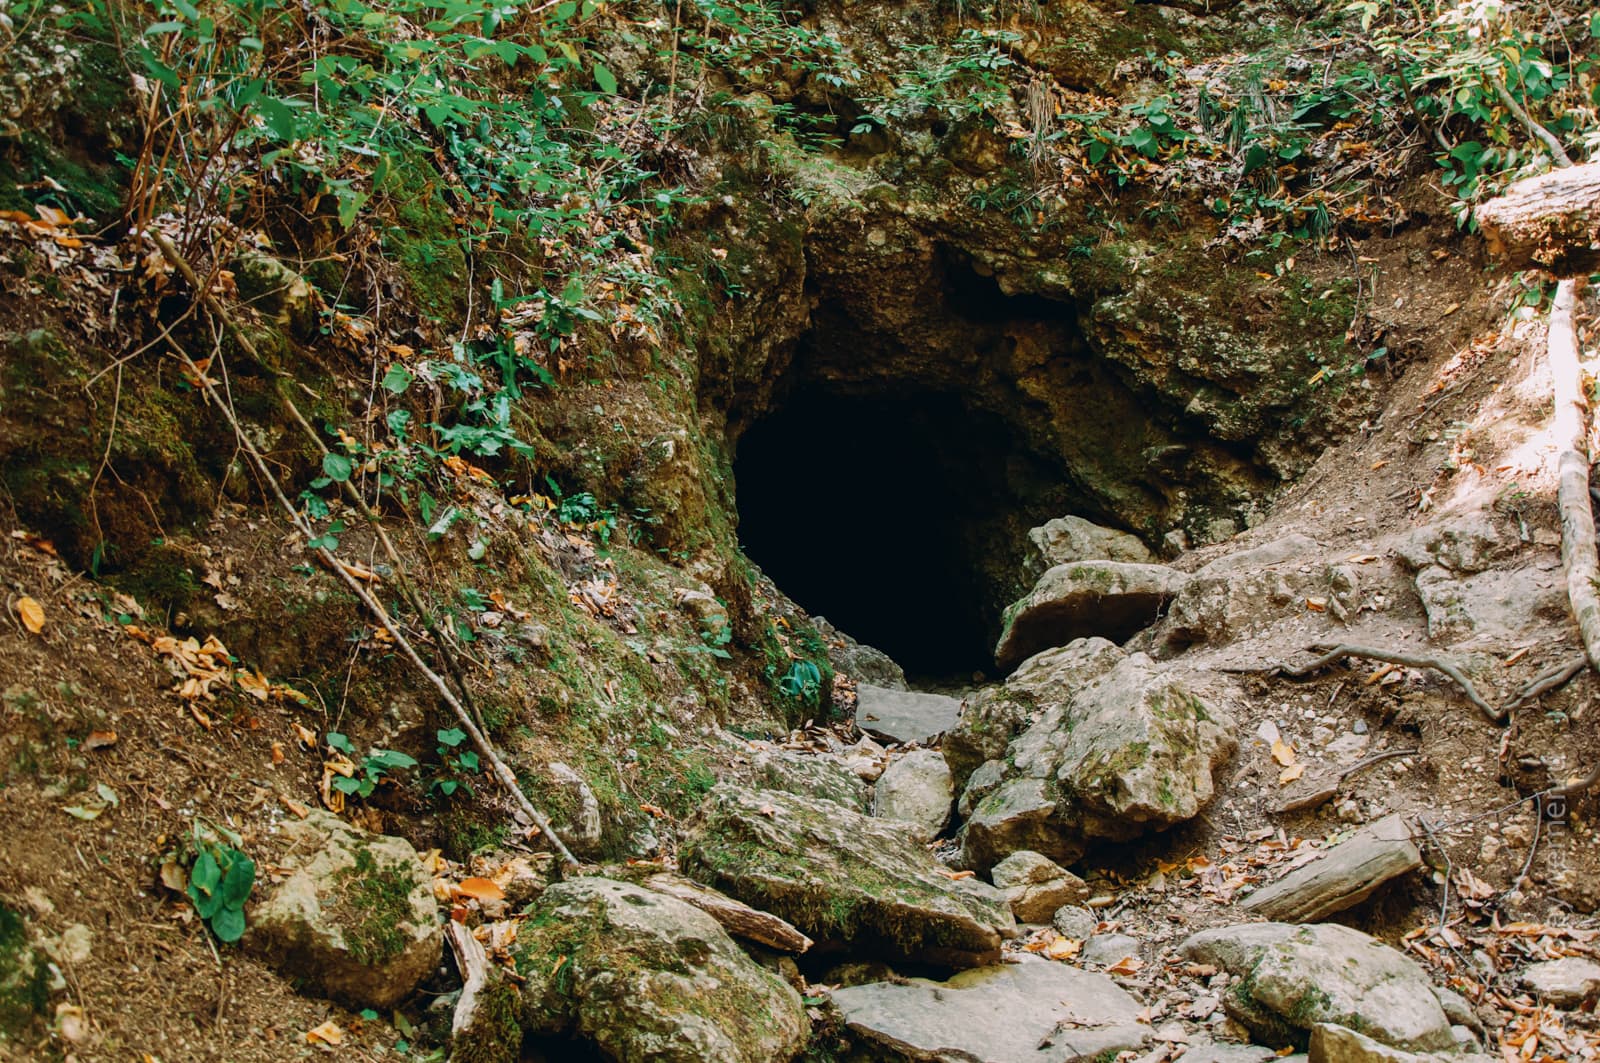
(480, 739)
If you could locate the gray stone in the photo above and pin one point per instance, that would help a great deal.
(917, 789)
(1109, 949)
(1566, 983)
(581, 827)
(278, 293)
(843, 878)
(903, 715)
(863, 663)
(1111, 599)
(1331, 1043)
(1497, 604)
(1462, 542)
(1291, 547)
(1287, 979)
(1068, 539)
(1036, 886)
(1032, 1010)
(1223, 1052)
(810, 775)
(990, 774)
(355, 917)
(645, 976)
(1214, 607)
(1134, 751)
(995, 715)
(1074, 922)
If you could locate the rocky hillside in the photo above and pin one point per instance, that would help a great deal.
(763, 532)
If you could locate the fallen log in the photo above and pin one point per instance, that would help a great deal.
(736, 917)
(1549, 222)
(1351, 872)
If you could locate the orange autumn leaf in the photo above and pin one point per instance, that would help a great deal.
(1283, 753)
(482, 889)
(328, 1033)
(32, 614)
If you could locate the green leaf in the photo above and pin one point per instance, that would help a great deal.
(397, 379)
(345, 785)
(205, 875)
(279, 117)
(241, 877)
(337, 467)
(453, 737)
(605, 79)
(338, 741)
(228, 925)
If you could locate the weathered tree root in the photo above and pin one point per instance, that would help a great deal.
(480, 740)
(1552, 678)
(1412, 660)
(1578, 549)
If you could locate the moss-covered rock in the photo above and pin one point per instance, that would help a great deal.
(356, 917)
(24, 982)
(842, 878)
(647, 977)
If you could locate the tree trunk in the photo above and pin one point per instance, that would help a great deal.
(1549, 222)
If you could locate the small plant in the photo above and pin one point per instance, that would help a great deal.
(457, 761)
(220, 879)
(803, 680)
(373, 770)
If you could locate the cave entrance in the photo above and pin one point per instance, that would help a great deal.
(892, 513)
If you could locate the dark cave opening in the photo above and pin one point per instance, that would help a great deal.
(888, 512)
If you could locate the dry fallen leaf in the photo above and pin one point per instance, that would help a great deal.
(954, 876)
(100, 739)
(277, 752)
(1290, 774)
(32, 614)
(327, 1033)
(482, 889)
(1128, 965)
(1283, 753)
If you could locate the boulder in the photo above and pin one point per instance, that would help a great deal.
(1075, 921)
(1331, 1043)
(579, 825)
(863, 663)
(917, 789)
(1287, 979)
(1218, 606)
(1463, 542)
(1109, 949)
(645, 976)
(278, 293)
(1032, 1010)
(842, 878)
(1110, 599)
(1067, 539)
(995, 715)
(1134, 751)
(1566, 983)
(1036, 886)
(355, 917)
(904, 715)
(810, 775)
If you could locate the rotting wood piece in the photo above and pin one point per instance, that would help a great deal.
(1351, 872)
(1549, 222)
(736, 917)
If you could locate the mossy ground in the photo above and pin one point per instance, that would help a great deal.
(374, 901)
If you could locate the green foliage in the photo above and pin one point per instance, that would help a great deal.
(458, 763)
(374, 769)
(960, 79)
(220, 880)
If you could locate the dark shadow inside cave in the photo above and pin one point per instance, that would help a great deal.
(888, 513)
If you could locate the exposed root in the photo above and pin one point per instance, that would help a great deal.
(1552, 678)
(480, 740)
(1411, 660)
(1578, 550)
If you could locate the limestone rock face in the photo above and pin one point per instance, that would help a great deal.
(645, 976)
(1030, 1010)
(1254, 589)
(1287, 979)
(904, 715)
(842, 877)
(356, 918)
(916, 789)
(995, 715)
(1134, 751)
(1112, 599)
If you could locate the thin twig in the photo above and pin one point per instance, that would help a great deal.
(480, 740)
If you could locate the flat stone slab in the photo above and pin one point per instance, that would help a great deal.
(1566, 983)
(1348, 874)
(1111, 599)
(904, 715)
(1032, 1011)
